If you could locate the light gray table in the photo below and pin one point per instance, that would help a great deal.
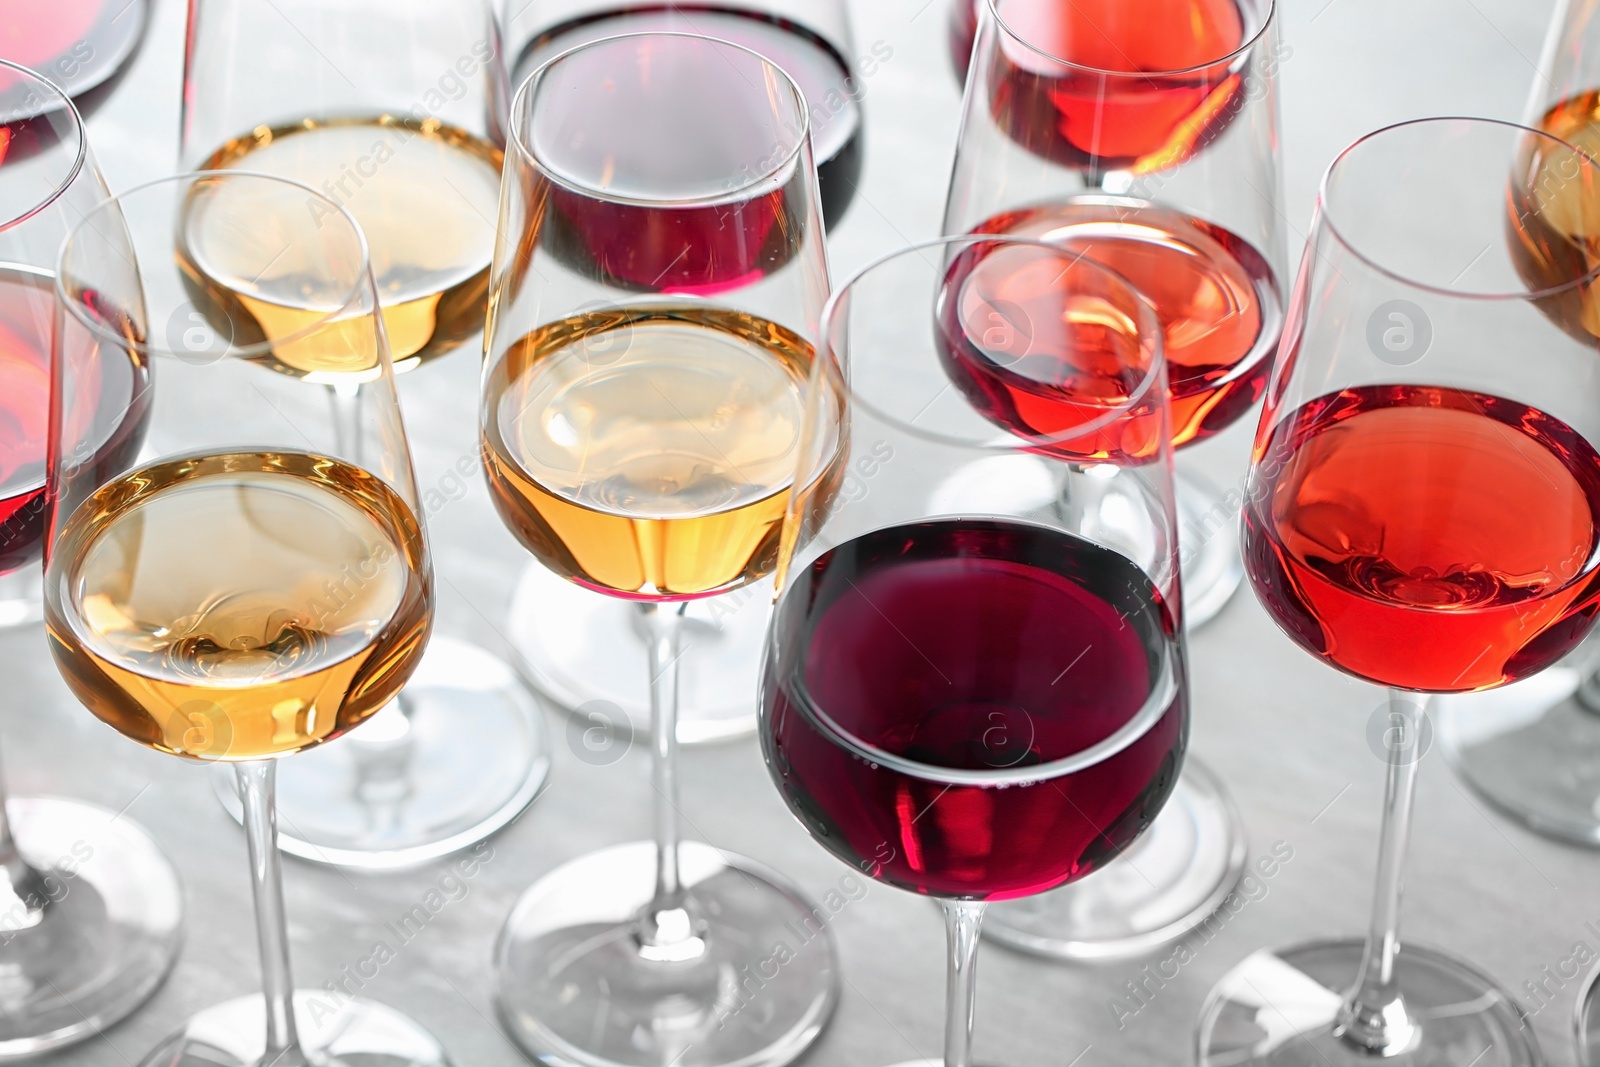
(1287, 734)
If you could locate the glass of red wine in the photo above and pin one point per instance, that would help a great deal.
(656, 298)
(96, 919)
(1423, 513)
(1148, 142)
(976, 691)
(567, 636)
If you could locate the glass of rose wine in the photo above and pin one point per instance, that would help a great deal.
(976, 690)
(1423, 514)
(566, 636)
(257, 583)
(395, 109)
(78, 961)
(656, 294)
(1148, 142)
(80, 45)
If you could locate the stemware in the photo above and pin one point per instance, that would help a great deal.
(1085, 134)
(976, 690)
(396, 110)
(80, 45)
(91, 918)
(1422, 513)
(566, 636)
(657, 289)
(258, 584)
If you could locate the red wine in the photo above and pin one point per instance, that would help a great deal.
(1426, 538)
(816, 66)
(1216, 296)
(111, 414)
(77, 44)
(973, 645)
(1127, 118)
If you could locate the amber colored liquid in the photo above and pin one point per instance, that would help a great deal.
(239, 606)
(426, 195)
(1554, 215)
(648, 453)
(1426, 538)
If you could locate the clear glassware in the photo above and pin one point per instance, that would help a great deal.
(92, 911)
(82, 46)
(257, 583)
(656, 296)
(976, 690)
(566, 636)
(396, 110)
(1423, 513)
(1172, 178)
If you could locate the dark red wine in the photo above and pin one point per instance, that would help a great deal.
(1426, 538)
(816, 66)
(979, 646)
(77, 44)
(1092, 95)
(109, 419)
(1216, 296)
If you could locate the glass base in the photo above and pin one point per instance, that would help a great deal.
(1529, 750)
(574, 990)
(22, 597)
(584, 651)
(459, 755)
(1586, 1021)
(1172, 878)
(333, 1030)
(1208, 533)
(1279, 1009)
(103, 946)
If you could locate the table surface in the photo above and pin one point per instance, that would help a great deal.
(1287, 734)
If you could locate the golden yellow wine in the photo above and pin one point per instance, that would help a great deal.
(239, 606)
(648, 452)
(426, 195)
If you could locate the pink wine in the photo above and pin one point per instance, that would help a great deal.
(77, 44)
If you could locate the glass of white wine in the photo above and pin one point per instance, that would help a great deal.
(656, 297)
(258, 582)
(395, 109)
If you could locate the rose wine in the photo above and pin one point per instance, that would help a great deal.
(973, 645)
(77, 44)
(425, 194)
(109, 420)
(815, 65)
(1086, 97)
(1216, 297)
(1426, 538)
(1554, 220)
(239, 606)
(648, 453)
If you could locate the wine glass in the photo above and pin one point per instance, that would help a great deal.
(1170, 176)
(258, 583)
(656, 294)
(565, 635)
(80, 45)
(976, 690)
(1423, 513)
(395, 109)
(93, 911)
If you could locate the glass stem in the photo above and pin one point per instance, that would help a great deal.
(667, 928)
(27, 883)
(1375, 1018)
(963, 919)
(257, 789)
(345, 398)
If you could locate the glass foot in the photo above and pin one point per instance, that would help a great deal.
(1279, 1009)
(103, 944)
(22, 597)
(1211, 560)
(1587, 1021)
(333, 1030)
(1172, 878)
(584, 652)
(1529, 750)
(575, 991)
(457, 757)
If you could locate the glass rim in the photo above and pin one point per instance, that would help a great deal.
(529, 87)
(1225, 59)
(80, 158)
(74, 306)
(1149, 327)
(1326, 220)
